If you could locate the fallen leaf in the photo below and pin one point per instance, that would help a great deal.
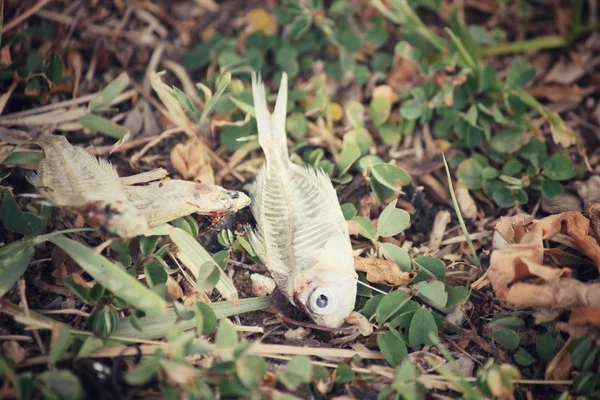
(174, 291)
(260, 20)
(191, 161)
(382, 271)
(562, 92)
(13, 350)
(467, 205)
(365, 328)
(385, 91)
(522, 257)
(297, 334)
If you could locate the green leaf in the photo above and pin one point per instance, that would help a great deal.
(580, 350)
(411, 111)
(507, 140)
(148, 244)
(343, 374)
(506, 321)
(111, 276)
(208, 276)
(397, 255)
(371, 305)
(210, 105)
(297, 126)
(551, 189)
(60, 384)
(300, 26)
(558, 168)
(403, 317)
(380, 110)
(422, 325)
(349, 211)
(206, 319)
(545, 345)
(90, 345)
(434, 291)
(390, 133)
(53, 68)
(226, 336)
(143, 372)
(355, 114)
(61, 340)
(298, 370)
(23, 157)
(104, 322)
(390, 304)
(391, 176)
(251, 370)
(506, 338)
(470, 172)
(361, 137)
(14, 260)
(155, 273)
(511, 168)
(392, 348)
(392, 220)
(103, 125)
(348, 156)
(366, 228)
(435, 266)
(490, 173)
(109, 93)
(519, 73)
(14, 219)
(522, 357)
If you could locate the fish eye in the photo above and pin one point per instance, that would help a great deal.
(322, 301)
(233, 194)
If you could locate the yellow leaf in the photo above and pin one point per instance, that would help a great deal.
(385, 91)
(260, 20)
(336, 111)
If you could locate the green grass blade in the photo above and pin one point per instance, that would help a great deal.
(463, 227)
(157, 327)
(14, 260)
(193, 256)
(109, 93)
(103, 125)
(112, 277)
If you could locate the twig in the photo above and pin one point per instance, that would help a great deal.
(19, 19)
(25, 307)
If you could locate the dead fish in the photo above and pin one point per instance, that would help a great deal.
(301, 234)
(69, 176)
(161, 202)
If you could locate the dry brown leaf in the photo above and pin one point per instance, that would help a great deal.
(174, 291)
(442, 219)
(365, 328)
(383, 272)
(523, 255)
(467, 205)
(426, 362)
(562, 92)
(297, 334)
(13, 350)
(191, 161)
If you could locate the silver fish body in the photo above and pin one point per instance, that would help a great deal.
(301, 234)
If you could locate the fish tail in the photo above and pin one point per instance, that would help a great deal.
(271, 127)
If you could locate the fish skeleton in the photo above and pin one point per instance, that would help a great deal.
(69, 176)
(301, 233)
(161, 202)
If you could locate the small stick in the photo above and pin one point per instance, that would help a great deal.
(19, 19)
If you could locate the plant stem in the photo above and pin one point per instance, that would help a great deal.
(544, 42)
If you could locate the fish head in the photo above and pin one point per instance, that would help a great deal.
(328, 297)
(220, 200)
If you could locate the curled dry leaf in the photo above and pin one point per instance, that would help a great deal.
(174, 291)
(467, 205)
(365, 328)
(442, 219)
(297, 334)
(191, 161)
(426, 362)
(383, 272)
(523, 255)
